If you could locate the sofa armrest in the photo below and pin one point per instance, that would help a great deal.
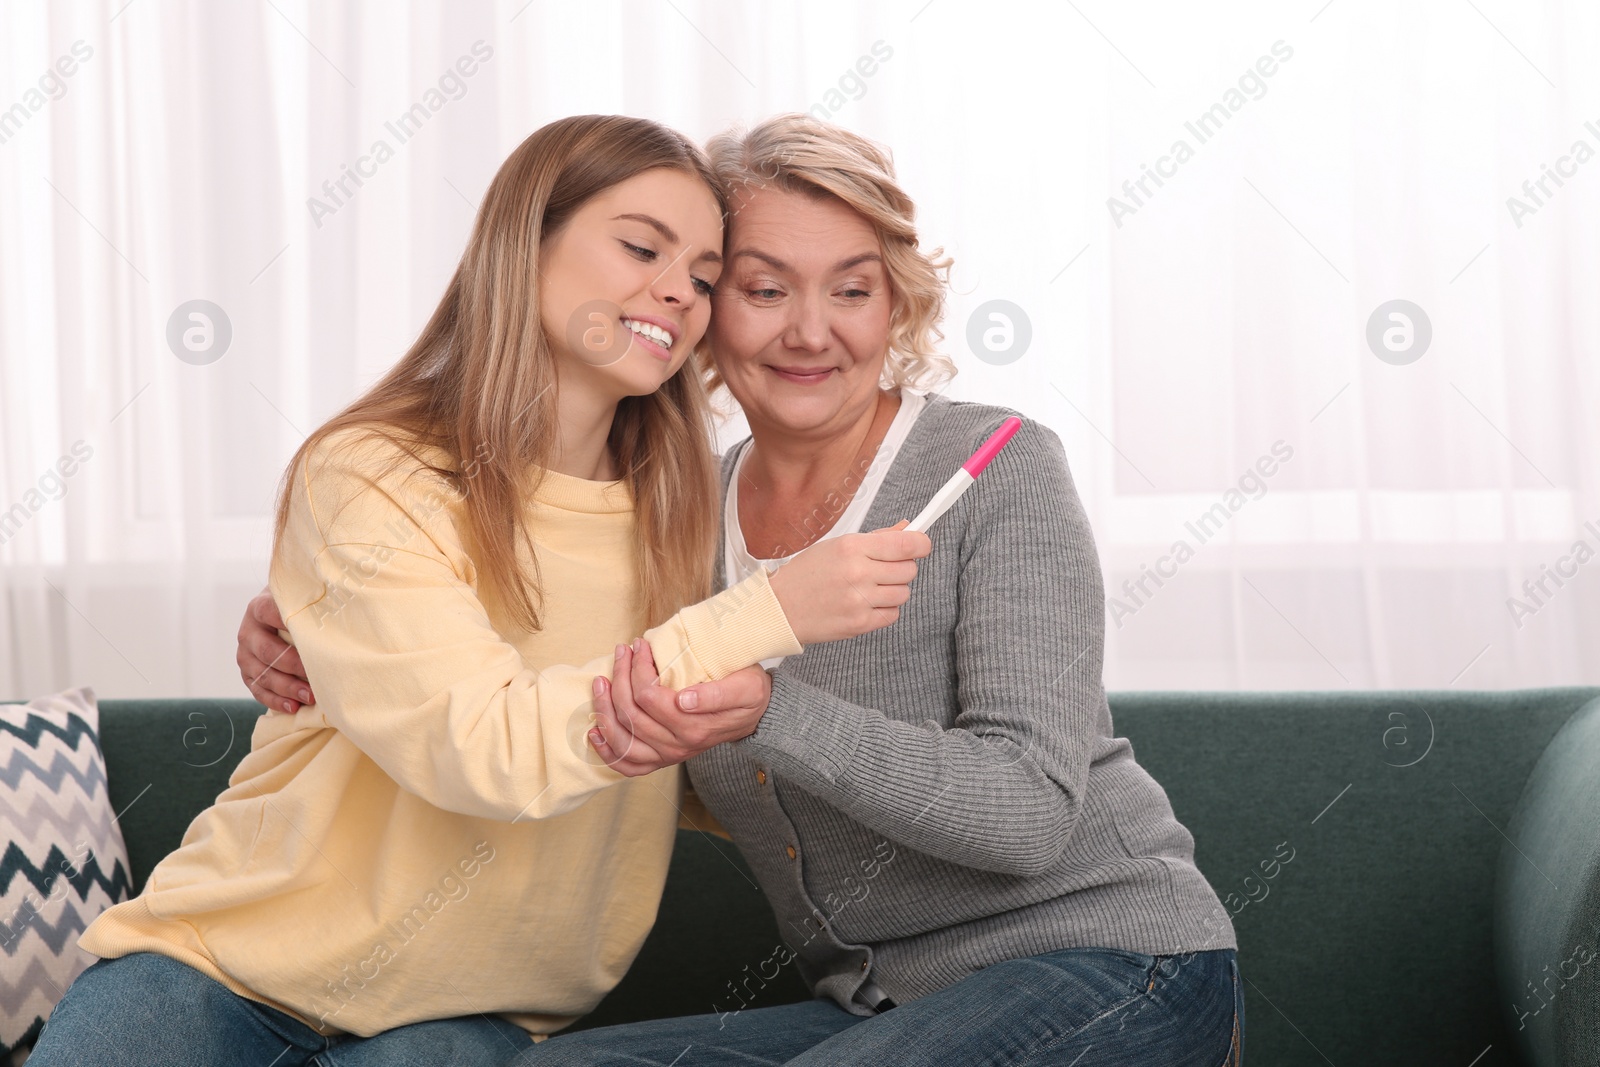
(1547, 902)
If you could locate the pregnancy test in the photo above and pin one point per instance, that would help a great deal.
(962, 479)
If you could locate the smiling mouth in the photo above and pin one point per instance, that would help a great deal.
(657, 341)
(801, 376)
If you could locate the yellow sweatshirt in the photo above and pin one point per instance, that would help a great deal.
(436, 837)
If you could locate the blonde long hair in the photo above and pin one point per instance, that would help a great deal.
(802, 154)
(479, 382)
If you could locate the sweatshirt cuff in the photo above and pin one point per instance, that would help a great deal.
(806, 734)
(741, 626)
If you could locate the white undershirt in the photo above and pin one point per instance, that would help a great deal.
(739, 564)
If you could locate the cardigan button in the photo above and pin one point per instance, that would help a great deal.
(789, 850)
(863, 965)
(761, 777)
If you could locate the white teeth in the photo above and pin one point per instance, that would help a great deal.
(650, 330)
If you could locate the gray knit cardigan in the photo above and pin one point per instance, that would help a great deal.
(947, 793)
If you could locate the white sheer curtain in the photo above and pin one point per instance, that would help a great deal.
(157, 153)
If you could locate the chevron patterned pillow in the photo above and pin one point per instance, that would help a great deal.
(64, 860)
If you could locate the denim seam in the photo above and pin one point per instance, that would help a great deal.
(1054, 1041)
(1230, 1059)
(1234, 1056)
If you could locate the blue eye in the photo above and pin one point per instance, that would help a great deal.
(705, 288)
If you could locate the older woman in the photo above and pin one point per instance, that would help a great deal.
(966, 863)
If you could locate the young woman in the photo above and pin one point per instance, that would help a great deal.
(429, 864)
(967, 864)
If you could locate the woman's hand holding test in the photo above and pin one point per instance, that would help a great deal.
(839, 587)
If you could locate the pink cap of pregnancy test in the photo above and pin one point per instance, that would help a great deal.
(991, 448)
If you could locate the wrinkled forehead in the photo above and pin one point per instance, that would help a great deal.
(797, 228)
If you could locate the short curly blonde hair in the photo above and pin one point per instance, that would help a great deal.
(802, 154)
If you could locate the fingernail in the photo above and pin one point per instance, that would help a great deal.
(595, 738)
(305, 696)
(288, 707)
(688, 700)
(597, 688)
(638, 644)
(620, 650)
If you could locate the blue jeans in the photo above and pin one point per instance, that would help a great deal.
(147, 1010)
(1072, 1008)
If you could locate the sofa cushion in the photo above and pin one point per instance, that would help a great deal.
(1547, 902)
(1374, 944)
(62, 860)
(168, 760)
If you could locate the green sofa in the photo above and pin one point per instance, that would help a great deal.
(1413, 872)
